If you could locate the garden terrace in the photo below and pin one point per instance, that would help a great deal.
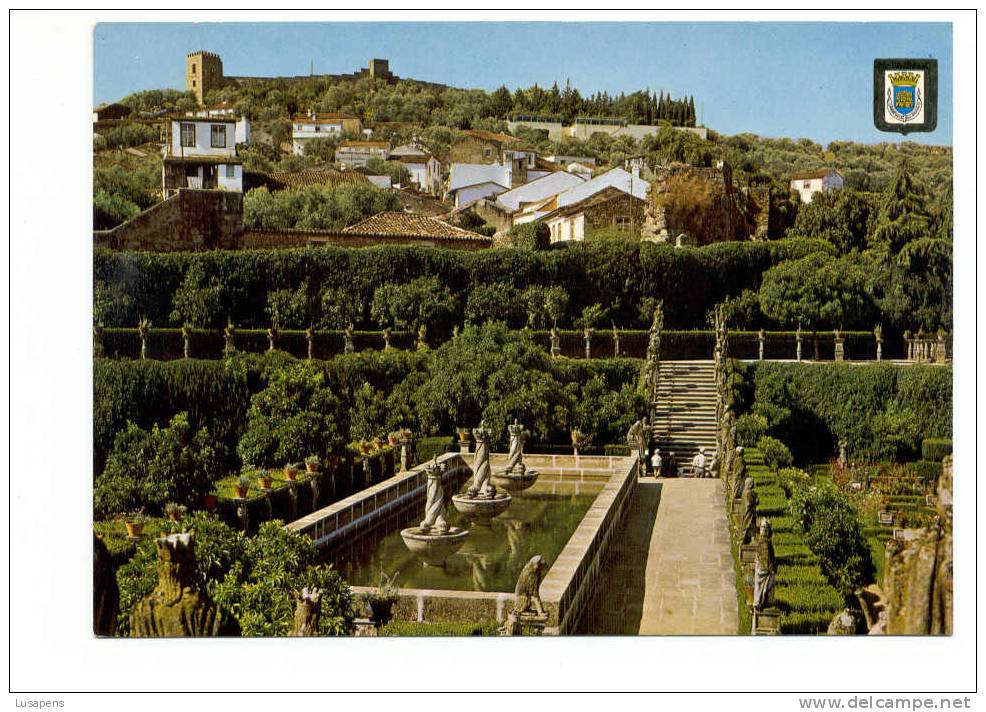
(807, 600)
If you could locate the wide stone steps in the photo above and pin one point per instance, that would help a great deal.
(684, 417)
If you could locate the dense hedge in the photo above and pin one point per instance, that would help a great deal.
(880, 410)
(935, 449)
(689, 280)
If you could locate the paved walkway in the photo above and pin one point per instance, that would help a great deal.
(671, 571)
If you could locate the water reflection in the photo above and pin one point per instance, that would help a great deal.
(539, 521)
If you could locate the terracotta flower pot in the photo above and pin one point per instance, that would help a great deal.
(365, 448)
(174, 516)
(134, 529)
(311, 466)
(240, 492)
(464, 436)
(264, 482)
(392, 440)
(290, 474)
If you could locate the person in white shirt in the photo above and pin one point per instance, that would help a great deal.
(655, 462)
(698, 462)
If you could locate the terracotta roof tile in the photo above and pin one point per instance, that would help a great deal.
(410, 225)
(812, 175)
(491, 136)
(301, 179)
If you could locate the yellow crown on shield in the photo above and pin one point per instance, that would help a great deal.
(905, 79)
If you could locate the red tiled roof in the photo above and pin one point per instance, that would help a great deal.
(812, 175)
(322, 118)
(301, 179)
(364, 144)
(410, 225)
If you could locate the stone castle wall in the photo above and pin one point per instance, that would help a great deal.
(190, 220)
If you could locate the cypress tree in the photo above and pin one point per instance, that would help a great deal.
(904, 215)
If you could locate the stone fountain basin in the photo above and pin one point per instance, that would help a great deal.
(434, 549)
(514, 482)
(481, 509)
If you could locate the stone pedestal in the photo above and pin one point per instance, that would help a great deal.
(364, 628)
(840, 349)
(767, 621)
(524, 624)
(748, 554)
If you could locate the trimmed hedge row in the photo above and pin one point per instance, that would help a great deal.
(807, 600)
(619, 276)
(880, 410)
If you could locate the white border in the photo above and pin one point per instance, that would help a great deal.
(51, 396)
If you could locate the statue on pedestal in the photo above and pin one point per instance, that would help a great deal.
(518, 436)
(481, 485)
(436, 519)
(739, 473)
(307, 610)
(347, 335)
(765, 568)
(555, 342)
(229, 336)
(748, 523)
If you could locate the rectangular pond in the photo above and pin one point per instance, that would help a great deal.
(539, 520)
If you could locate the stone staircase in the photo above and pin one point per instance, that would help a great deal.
(684, 416)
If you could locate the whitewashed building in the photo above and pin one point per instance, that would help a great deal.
(807, 183)
(425, 169)
(201, 154)
(356, 154)
(227, 110)
(468, 182)
(309, 127)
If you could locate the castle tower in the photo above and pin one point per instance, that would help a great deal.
(203, 73)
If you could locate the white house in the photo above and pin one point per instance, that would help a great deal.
(615, 178)
(201, 153)
(536, 191)
(468, 182)
(226, 109)
(425, 169)
(311, 126)
(807, 183)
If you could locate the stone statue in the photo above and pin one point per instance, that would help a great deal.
(177, 607)
(97, 341)
(761, 338)
(555, 342)
(347, 335)
(186, 337)
(481, 485)
(455, 331)
(105, 593)
(307, 610)
(739, 473)
(638, 438)
(386, 339)
(310, 338)
(844, 623)
(797, 336)
(144, 330)
(527, 597)
(587, 334)
(748, 524)
(843, 460)
(229, 336)
(652, 363)
(436, 520)
(271, 335)
(765, 568)
(518, 436)
(616, 342)
(422, 342)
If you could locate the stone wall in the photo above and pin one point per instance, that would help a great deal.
(603, 216)
(700, 202)
(470, 149)
(266, 239)
(494, 215)
(190, 220)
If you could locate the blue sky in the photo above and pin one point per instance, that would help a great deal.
(800, 80)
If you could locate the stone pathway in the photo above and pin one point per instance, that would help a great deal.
(670, 571)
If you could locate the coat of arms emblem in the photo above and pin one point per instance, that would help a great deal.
(904, 101)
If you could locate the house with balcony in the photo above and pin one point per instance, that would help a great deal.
(226, 109)
(201, 154)
(306, 128)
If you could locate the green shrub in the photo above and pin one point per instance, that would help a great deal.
(879, 410)
(417, 630)
(924, 470)
(253, 579)
(775, 453)
(429, 447)
(292, 418)
(111, 209)
(750, 427)
(935, 449)
(148, 469)
(530, 236)
(315, 207)
(690, 281)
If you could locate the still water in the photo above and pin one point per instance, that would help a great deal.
(536, 522)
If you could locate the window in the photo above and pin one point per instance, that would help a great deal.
(188, 134)
(219, 136)
(193, 84)
(487, 152)
(194, 67)
(623, 223)
(807, 185)
(231, 172)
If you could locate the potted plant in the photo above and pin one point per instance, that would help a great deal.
(381, 601)
(312, 463)
(365, 447)
(463, 434)
(135, 522)
(291, 471)
(378, 443)
(241, 487)
(175, 512)
(264, 480)
(394, 437)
